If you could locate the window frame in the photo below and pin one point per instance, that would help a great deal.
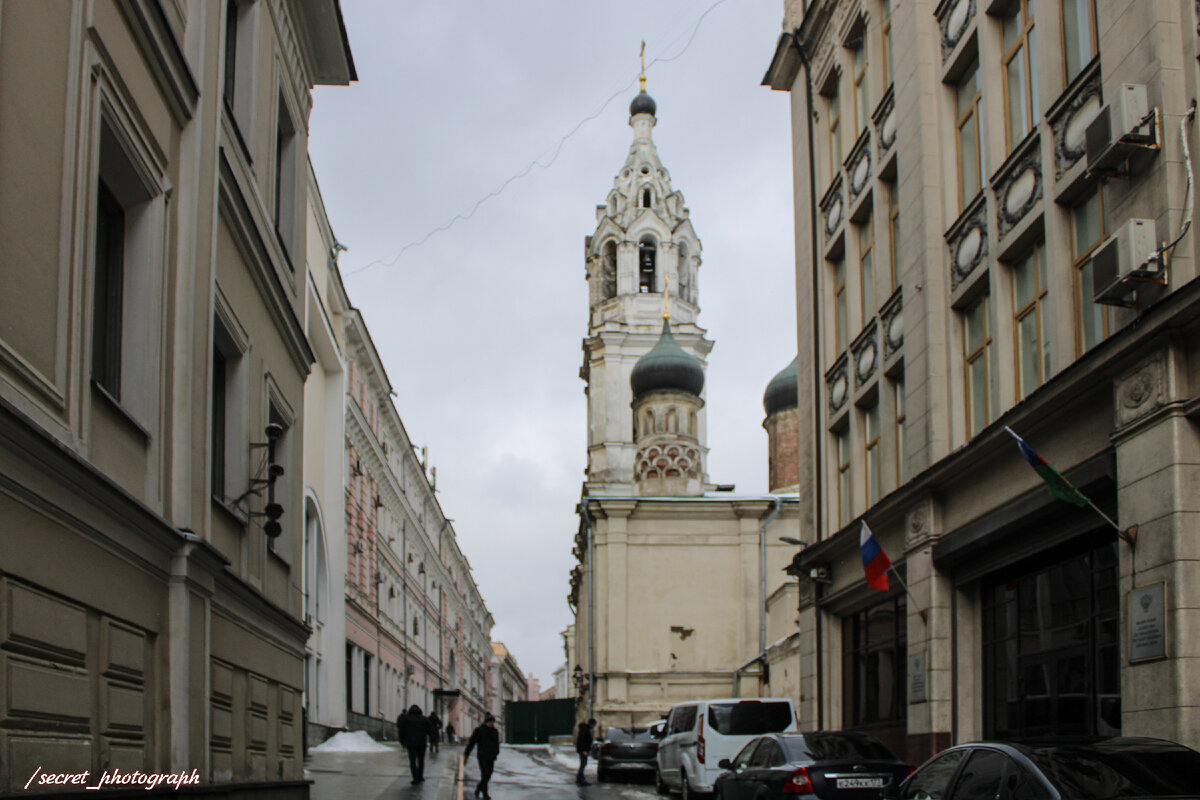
(845, 479)
(1081, 260)
(1022, 46)
(872, 462)
(964, 114)
(868, 297)
(901, 408)
(893, 209)
(108, 294)
(970, 355)
(1036, 306)
(841, 308)
(858, 645)
(1093, 38)
(885, 29)
(833, 112)
(860, 69)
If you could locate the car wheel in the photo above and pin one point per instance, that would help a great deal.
(660, 785)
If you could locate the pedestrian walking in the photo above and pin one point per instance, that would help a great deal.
(450, 733)
(583, 744)
(487, 739)
(400, 726)
(435, 732)
(413, 736)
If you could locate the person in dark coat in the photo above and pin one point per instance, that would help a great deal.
(450, 733)
(583, 744)
(435, 732)
(400, 726)
(487, 739)
(413, 736)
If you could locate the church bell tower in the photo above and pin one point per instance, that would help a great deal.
(643, 264)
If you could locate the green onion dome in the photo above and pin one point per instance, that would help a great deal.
(783, 390)
(667, 366)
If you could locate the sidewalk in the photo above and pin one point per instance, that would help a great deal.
(381, 776)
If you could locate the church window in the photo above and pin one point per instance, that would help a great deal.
(647, 260)
(692, 428)
(608, 274)
(646, 198)
(672, 421)
(647, 424)
(685, 273)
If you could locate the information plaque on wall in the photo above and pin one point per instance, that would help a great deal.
(1148, 623)
(916, 678)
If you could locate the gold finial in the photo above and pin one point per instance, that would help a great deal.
(666, 295)
(642, 77)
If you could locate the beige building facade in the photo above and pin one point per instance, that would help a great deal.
(672, 589)
(152, 365)
(977, 250)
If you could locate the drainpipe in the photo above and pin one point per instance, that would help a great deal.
(777, 502)
(818, 493)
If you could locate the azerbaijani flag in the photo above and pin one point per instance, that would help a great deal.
(875, 562)
(1059, 486)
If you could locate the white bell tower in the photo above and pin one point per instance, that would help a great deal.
(643, 243)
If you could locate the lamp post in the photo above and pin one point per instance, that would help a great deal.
(581, 681)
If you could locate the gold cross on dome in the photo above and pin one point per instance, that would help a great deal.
(642, 77)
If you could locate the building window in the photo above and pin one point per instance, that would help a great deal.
(835, 133)
(646, 197)
(893, 235)
(227, 433)
(1029, 311)
(862, 111)
(285, 178)
(647, 260)
(866, 266)
(871, 453)
(1051, 647)
(970, 146)
(282, 488)
(889, 69)
(1087, 231)
(901, 433)
(874, 648)
(239, 48)
(841, 324)
(217, 428)
(1020, 71)
(366, 673)
(1079, 36)
(108, 296)
(977, 345)
(685, 273)
(845, 497)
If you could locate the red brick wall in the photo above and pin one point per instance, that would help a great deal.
(783, 449)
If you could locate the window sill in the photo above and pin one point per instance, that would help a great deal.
(233, 512)
(123, 413)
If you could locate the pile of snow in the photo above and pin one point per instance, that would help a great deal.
(350, 742)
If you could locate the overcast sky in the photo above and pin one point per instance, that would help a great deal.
(480, 327)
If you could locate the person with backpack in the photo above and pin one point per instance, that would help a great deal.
(413, 736)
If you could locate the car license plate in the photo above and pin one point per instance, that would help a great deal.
(860, 783)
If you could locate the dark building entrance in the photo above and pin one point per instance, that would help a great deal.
(1051, 646)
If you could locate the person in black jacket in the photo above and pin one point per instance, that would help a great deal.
(413, 736)
(435, 732)
(583, 744)
(487, 739)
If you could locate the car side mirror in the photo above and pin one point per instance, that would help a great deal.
(725, 763)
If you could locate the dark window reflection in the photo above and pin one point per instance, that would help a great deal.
(874, 668)
(1051, 648)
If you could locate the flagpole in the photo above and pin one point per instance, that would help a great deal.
(921, 611)
(1128, 535)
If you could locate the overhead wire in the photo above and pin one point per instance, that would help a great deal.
(537, 164)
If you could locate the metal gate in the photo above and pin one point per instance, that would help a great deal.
(535, 722)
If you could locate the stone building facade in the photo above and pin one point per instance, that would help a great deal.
(417, 629)
(957, 211)
(152, 365)
(670, 593)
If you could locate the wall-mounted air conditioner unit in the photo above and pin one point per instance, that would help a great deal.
(1123, 129)
(1126, 258)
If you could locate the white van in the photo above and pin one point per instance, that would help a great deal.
(702, 732)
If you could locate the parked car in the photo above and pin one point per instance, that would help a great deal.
(702, 732)
(626, 749)
(823, 764)
(1058, 769)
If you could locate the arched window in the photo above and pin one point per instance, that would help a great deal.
(608, 270)
(647, 423)
(694, 429)
(647, 260)
(685, 273)
(647, 197)
(672, 421)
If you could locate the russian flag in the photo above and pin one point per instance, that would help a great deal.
(875, 562)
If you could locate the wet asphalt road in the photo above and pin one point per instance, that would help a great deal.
(522, 773)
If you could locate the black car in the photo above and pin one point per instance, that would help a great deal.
(822, 764)
(632, 749)
(1057, 769)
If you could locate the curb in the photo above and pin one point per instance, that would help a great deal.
(448, 783)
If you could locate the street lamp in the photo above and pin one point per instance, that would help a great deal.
(793, 540)
(581, 680)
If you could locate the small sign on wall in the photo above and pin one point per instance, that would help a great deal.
(1148, 623)
(916, 677)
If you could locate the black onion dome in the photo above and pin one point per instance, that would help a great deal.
(783, 390)
(643, 104)
(667, 366)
